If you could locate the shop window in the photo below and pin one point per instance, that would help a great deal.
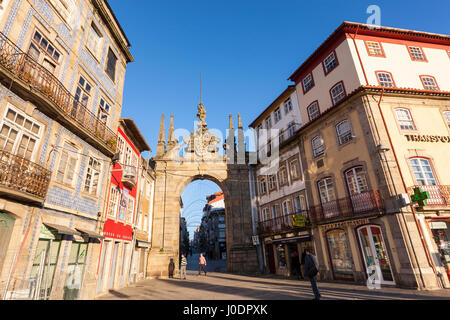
(441, 236)
(340, 255)
(281, 256)
(6, 228)
(344, 132)
(422, 171)
(75, 270)
(405, 119)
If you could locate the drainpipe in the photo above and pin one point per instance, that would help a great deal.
(427, 253)
(253, 201)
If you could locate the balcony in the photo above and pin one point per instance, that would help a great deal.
(22, 179)
(439, 195)
(129, 176)
(360, 205)
(31, 81)
(281, 224)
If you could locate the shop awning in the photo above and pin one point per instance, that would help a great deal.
(91, 234)
(62, 229)
(143, 244)
(302, 238)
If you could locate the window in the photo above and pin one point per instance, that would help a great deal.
(113, 201)
(291, 129)
(64, 7)
(330, 63)
(337, 93)
(283, 176)
(103, 111)
(299, 203)
(269, 147)
(93, 40)
(258, 130)
(120, 148)
(268, 122)
(130, 210)
(19, 134)
(92, 176)
(262, 186)
(326, 190)
(272, 182)
(416, 53)
(287, 106)
(308, 83)
(374, 48)
(344, 132)
(67, 164)
(404, 119)
(44, 52)
(294, 168)
(313, 110)
(447, 117)
(318, 146)
(385, 79)
(83, 91)
(356, 181)
(286, 207)
(111, 64)
(422, 171)
(429, 83)
(277, 115)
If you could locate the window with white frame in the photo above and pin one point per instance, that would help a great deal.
(262, 186)
(121, 148)
(313, 110)
(130, 209)
(337, 93)
(68, 163)
(272, 182)
(307, 82)
(287, 106)
(103, 111)
(114, 197)
(44, 52)
(291, 129)
(423, 172)
(405, 119)
(294, 168)
(318, 146)
(19, 134)
(429, 83)
(83, 91)
(300, 203)
(268, 122)
(283, 176)
(111, 64)
(94, 40)
(65, 8)
(344, 132)
(356, 181)
(374, 48)
(277, 114)
(326, 190)
(92, 176)
(275, 211)
(385, 79)
(330, 62)
(447, 117)
(286, 207)
(416, 53)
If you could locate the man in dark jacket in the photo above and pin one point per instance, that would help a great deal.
(311, 270)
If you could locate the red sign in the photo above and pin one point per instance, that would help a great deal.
(117, 230)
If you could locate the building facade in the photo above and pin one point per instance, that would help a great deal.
(215, 228)
(281, 186)
(62, 71)
(377, 105)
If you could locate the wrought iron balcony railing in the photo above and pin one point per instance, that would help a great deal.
(23, 176)
(43, 81)
(349, 207)
(281, 223)
(439, 195)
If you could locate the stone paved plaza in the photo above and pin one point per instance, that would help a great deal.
(218, 285)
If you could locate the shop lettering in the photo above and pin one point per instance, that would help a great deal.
(427, 138)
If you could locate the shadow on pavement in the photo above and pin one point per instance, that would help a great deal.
(118, 294)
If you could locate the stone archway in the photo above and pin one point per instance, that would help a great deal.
(201, 161)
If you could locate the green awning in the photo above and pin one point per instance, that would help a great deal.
(91, 234)
(62, 229)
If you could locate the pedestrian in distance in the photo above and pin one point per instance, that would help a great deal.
(183, 265)
(201, 264)
(311, 271)
(302, 265)
(171, 268)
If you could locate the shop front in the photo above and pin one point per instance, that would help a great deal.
(6, 229)
(440, 229)
(340, 254)
(288, 252)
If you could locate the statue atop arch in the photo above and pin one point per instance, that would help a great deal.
(201, 115)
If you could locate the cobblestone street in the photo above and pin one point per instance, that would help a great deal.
(218, 285)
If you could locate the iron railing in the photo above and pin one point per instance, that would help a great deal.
(349, 207)
(439, 195)
(282, 223)
(40, 79)
(22, 175)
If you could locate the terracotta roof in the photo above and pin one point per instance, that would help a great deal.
(135, 135)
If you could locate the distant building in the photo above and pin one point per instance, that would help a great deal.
(214, 229)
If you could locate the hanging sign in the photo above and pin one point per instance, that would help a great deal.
(420, 197)
(299, 220)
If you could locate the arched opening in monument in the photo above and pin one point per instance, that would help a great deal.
(203, 224)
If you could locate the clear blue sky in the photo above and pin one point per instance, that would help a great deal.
(245, 50)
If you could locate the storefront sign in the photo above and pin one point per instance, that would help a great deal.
(299, 220)
(427, 138)
(420, 197)
(117, 230)
(345, 224)
(438, 225)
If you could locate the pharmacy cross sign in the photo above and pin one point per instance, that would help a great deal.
(420, 197)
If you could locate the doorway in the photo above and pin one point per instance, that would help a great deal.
(112, 274)
(270, 258)
(75, 270)
(375, 255)
(102, 273)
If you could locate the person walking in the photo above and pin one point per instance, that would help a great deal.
(183, 265)
(171, 268)
(311, 271)
(302, 265)
(201, 264)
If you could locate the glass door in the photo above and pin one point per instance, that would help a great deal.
(75, 270)
(101, 272)
(112, 274)
(375, 255)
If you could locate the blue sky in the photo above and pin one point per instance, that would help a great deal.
(245, 50)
